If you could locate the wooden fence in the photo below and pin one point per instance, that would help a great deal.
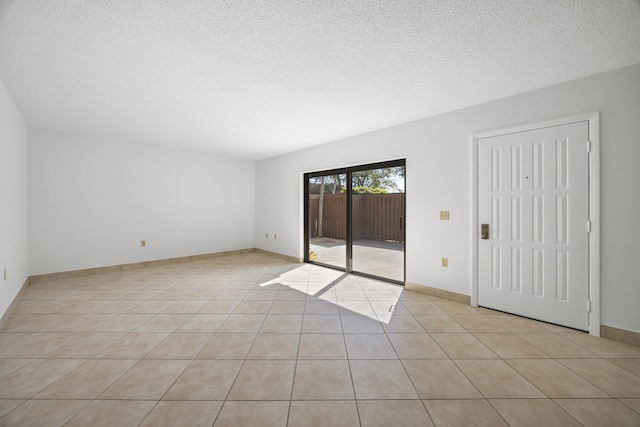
(375, 216)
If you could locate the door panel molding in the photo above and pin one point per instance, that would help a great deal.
(593, 119)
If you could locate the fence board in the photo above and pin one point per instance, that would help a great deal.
(375, 216)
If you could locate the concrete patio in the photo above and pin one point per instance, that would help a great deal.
(376, 257)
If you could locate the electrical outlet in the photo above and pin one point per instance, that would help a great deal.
(143, 243)
(445, 262)
(444, 215)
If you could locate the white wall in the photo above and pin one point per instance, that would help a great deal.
(92, 201)
(13, 200)
(438, 153)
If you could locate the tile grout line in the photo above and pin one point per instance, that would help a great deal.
(295, 368)
(353, 384)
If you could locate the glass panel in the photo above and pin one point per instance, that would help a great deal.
(328, 219)
(378, 225)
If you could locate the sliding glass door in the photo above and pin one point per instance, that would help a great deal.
(377, 222)
(326, 213)
(355, 219)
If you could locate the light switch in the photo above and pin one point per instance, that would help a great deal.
(445, 262)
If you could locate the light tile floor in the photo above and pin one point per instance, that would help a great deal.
(253, 340)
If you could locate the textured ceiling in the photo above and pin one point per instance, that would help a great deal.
(253, 79)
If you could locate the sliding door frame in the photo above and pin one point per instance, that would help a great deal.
(348, 171)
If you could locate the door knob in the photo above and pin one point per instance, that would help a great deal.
(485, 231)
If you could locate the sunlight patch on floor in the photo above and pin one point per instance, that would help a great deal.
(348, 293)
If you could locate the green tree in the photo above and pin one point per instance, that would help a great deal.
(333, 184)
(385, 178)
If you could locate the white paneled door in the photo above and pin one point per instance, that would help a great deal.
(533, 209)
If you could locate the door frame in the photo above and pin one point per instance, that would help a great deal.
(593, 118)
(349, 170)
